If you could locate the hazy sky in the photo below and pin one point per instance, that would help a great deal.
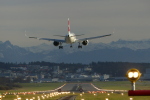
(45, 18)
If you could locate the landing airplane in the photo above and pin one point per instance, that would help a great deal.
(70, 38)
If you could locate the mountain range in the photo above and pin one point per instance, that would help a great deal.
(116, 51)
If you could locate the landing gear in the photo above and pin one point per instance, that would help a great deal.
(79, 46)
(60, 47)
(71, 46)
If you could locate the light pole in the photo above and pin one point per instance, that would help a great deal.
(133, 75)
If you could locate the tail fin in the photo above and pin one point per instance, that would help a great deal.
(68, 26)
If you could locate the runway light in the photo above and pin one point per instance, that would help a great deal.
(19, 98)
(106, 99)
(81, 95)
(131, 98)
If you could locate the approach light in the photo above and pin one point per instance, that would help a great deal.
(133, 75)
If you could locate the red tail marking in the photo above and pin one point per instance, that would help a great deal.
(68, 25)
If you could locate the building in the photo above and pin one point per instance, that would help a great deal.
(104, 77)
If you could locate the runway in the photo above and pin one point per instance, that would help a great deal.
(78, 87)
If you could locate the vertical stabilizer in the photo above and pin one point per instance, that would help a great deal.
(68, 26)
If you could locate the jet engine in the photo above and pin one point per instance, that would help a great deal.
(56, 43)
(85, 42)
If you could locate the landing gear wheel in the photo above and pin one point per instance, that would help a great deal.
(60, 47)
(80, 46)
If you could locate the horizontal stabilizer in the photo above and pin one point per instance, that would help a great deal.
(79, 35)
(59, 35)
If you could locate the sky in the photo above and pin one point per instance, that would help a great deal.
(129, 19)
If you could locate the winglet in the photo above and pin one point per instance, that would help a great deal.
(26, 35)
(68, 26)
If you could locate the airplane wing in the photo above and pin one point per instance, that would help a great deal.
(48, 39)
(90, 38)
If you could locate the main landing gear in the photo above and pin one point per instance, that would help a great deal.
(79, 46)
(71, 46)
(60, 47)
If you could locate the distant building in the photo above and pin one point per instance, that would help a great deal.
(79, 70)
(55, 80)
(87, 69)
(56, 70)
(104, 77)
(42, 76)
(83, 76)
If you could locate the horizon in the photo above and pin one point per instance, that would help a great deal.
(129, 40)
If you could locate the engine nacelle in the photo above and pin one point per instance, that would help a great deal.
(85, 42)
(56, 43)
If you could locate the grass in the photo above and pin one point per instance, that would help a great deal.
(122, 85)
(26, 87)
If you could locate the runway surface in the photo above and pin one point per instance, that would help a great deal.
(78, 87)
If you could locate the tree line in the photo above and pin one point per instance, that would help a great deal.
(111, 68)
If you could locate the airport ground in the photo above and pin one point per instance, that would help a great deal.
(115, 90)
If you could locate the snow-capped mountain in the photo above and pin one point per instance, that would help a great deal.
(121, 50)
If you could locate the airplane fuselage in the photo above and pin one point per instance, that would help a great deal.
(70, 38)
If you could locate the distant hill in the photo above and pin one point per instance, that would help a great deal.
(121, 50)
(12, 53)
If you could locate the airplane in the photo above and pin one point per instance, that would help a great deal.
(70, 38)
